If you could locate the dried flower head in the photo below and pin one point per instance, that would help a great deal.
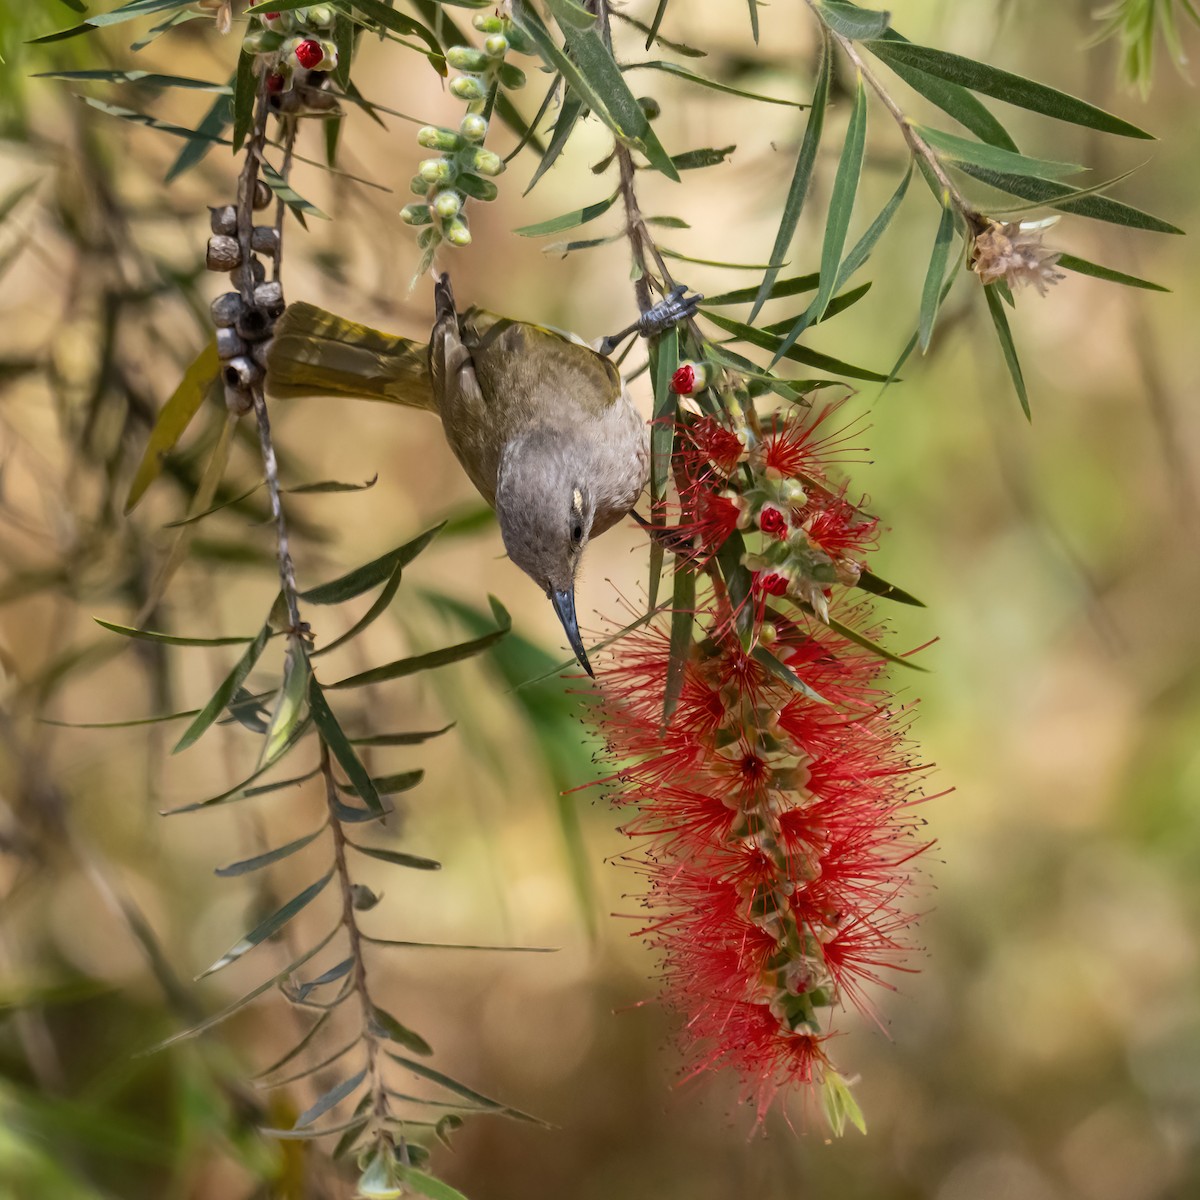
(1015, 252)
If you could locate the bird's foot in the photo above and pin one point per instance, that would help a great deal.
(674, 307)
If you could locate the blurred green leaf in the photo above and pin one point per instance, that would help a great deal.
(652, 30)
(931, 293)
(683, 617)
(569, 113)
(288, 194)
(334, 1096)
(332, 975)
(387, 1026)
(169, 639)
(462, 1090)
(224, 694)
(426, 1185)
(328, 486)
(369, 575)
(570, 220)
(289, 707)
(269, 925)
(801, 177)
(125, 12)
(852, 635)
(868, 581)
(1007, 346)
(398, 858)
(212, 126)
(434, 658)
(781, 671)
(139, 78)
(173, 420)
(682, 72)
(779, 289)
(401, 739)
(402, 781)
(1003, 85)
(380, 605)
(268, 857)
(695, 160)
(245, 90)
(853, 22)
(664, 360)
(329, 729)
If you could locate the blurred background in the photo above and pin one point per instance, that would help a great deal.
(1047, 1046)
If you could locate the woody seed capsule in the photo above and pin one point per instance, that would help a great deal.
(223, 219)
(237, 401)
(241, 372)
(260, 352)
(269, 298)
(229, 344)
(223, 253)
(247, 275)
(253, 325)
(264, 239)
(225, 309)
(262, 195)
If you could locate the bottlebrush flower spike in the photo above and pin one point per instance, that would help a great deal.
(775, 825)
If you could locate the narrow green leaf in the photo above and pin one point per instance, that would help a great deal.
(652, 31)
(269, 925)
(859, 24)
(212, 125)
(666, 252)
(173, 420)
(269, 856)
(332, 975)
(801, 177)
(405, 945)
(172, 21)
(952, 99)
(783, 672)
(377, 609)
(779, 289)
(868, 581)
(334, 1096)
(841, 200)
(341, 748)
(309, 1135)
(1007, 346)
(1083, 201)
(124, 12)
(683, 617)
(426, 1185)
(956, 149)
(461, 1089)
(401, 739)
(569, 13)
(1005, 86)
(682, 72)
(288, 194)
(664, 360)
(383, 14)
(931, 293)
(170, 639)
(570, 220)
(568, 117)
(245, 92)
(289, 708)
(852, 635)
(387, 1026)
(139, 78)
(768, 341)
(233, 500)
(695, 160)
(1081, 266)
(398, 858)
(753, 6)
(224, 694)
(402, 781)
(329, 486)
(230, 1009)
(371, 574)
(666, 43)
(435, 658)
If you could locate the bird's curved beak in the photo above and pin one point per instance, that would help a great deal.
(564, 604)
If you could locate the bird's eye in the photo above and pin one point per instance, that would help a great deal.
(577, 534)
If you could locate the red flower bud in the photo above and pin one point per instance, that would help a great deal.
(275, 81)
(771, 520)
(770, 582)
(683, 382)
(309, 54)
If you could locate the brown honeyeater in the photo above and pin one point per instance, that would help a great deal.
(540, 421)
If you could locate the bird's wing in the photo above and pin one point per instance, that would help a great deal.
(522, 365)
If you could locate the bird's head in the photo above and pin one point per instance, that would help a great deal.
(546, 510)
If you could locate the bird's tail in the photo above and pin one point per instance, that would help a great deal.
(315, 353)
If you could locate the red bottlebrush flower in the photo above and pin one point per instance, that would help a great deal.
(770, 583)
(683, 382)
(309, 54)
(792, 449)
(772, 521)
(709, 443)
(838, 527)
(776, 835)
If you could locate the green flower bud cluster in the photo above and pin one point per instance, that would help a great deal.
(291, 40)
(463, 169)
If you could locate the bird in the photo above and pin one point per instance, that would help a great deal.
(541, 422)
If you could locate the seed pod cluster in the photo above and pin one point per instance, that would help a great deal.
(245, 318)
(296, 50)
(462, 168)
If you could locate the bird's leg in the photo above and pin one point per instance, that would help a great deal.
(674, 307)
